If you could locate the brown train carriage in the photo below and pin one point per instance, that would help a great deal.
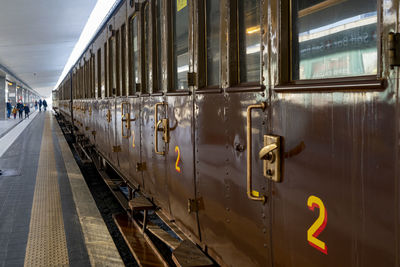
(275, 122)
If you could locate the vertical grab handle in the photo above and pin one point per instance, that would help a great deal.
(253, 195)
(125, 118)
(157, 123)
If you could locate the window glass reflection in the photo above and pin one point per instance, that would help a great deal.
(213, 41)
(334, 38)
(181, 33)
(135, 56)
(159, 45)
(249, 40)
(146, 49)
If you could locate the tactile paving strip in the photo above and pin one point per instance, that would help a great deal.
(47, 245)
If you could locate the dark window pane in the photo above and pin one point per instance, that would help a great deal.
(105, 71)
(213, 41)
(112, 67)
(135, 56)
(334, 38)
(159, 45)
(123, 59)
(99, 73)
(181, 33)
(147, 47)
(249, 40)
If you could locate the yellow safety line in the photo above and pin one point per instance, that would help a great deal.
(99, 243)
(47, 245)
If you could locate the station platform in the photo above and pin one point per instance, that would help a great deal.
(47, 215)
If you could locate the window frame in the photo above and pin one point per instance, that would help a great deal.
(98, 72)
(112, 64)
(133, 91)
(123, 60)
(172, 88)
(285, 62)
(251, 83)
(202, 51)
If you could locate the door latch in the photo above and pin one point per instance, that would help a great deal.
(271, 155)
(141, 166)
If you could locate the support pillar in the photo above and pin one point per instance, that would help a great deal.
(12, 92)
(3, 98)
(19, 94)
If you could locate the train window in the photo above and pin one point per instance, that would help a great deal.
(112, 67)
(335, 38)
(99, 73)
(213, 41)
(93, 76)
(85, 80)
(134, 73)
(105, 71)
(249, 40)
(159, 44)
(146, 50)
(180, 13)
(123, 59)
(117, 80)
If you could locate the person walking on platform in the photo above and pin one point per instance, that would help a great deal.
(40, 104)
(27, 110)
(36, 104)
(20, 109)
(44, 104)
(9, 108)
(14, 112)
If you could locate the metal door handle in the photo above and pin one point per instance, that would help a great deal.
(126, 118)
(265, 152)
(253, 195)
(164, 129)
(108, 116)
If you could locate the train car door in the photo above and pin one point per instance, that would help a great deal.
(147, 163)
(112, 100)
(334, 204)
(231, 114)
(179, 105)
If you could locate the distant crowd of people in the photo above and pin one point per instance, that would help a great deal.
(20, 108)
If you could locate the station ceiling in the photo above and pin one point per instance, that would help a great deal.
(37, 37)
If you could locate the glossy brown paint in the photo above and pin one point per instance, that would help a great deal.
(338, 144)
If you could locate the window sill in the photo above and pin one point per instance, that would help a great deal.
(368, 84)
(157, 94)
(245, 88)
(209, 91)
(179, 93)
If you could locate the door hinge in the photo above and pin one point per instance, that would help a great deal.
(194, 205)
(394, 49)
(117, 149)
(192, 78)
(140, 166)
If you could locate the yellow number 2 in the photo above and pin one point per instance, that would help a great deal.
(177, 150)
(319, 225)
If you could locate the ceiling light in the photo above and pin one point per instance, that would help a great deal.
(252, 30)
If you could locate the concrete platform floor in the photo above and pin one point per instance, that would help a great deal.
(47, 214)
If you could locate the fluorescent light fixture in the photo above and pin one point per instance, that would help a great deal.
(252, 30)
(253, 49)
(183, 68)
(99, 13)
